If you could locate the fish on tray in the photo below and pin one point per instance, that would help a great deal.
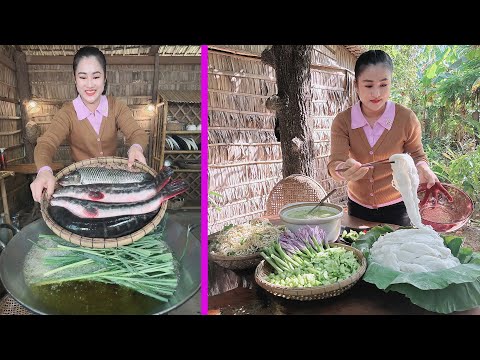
(117, 193)
(100, 228)
(101, 175)
(90, 209)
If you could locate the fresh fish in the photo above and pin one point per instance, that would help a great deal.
(117, 193)
(90, 209)
(100, 228)
(100, 175)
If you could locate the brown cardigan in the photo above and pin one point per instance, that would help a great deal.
(85, 143)
(405, 136)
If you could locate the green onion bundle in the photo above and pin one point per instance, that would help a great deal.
(146, 266)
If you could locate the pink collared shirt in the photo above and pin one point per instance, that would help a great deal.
(95, 117)
(384, 122)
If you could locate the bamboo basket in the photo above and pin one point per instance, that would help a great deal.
(311, 293)
(111, 162)
(236, 262)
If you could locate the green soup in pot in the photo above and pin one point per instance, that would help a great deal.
(301, 213)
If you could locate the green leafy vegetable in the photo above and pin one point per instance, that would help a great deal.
(304, 259)
(146, 266)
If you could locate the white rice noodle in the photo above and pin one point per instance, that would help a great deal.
(406, 181)
(411, 250)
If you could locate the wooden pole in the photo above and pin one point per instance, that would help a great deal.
(24, 95)
(5, 201)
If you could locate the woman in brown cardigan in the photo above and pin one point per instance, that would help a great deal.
(89, 123)
(376, 128)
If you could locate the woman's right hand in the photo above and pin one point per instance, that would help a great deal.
(44, 180)
(354, 170)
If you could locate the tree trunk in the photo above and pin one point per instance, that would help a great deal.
(292, 67)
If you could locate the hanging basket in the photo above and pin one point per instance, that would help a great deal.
(110, 162)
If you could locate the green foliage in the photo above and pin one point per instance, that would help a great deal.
(211, 200)
(457, 164)
(441, 86)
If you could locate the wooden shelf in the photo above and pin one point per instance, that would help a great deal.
(187, 170)
(182, 152)
(183, 106)
(184, 132)
(191, 205)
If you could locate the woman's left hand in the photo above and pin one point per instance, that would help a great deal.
(135, 153)
(426, 175)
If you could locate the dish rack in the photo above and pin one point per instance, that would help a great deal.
(174, 144)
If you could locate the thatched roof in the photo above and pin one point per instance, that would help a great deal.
(125, 50)
(356, 50)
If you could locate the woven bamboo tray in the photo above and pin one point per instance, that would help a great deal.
(310, 293)
(236, 262)
(111, 162)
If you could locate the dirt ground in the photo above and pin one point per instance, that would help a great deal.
(471, 231)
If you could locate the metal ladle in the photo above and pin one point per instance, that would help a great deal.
(322, 201)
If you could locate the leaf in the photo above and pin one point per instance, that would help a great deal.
(442, 291)
(465, 254)
(430, 73)
(455, 297)
(453, 243)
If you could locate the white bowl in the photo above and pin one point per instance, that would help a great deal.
(331, 224)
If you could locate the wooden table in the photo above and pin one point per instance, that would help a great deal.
(31, 169)
(25, 169)
(362, 299)
(236, 293)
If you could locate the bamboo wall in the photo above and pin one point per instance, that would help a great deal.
(332, 92)
(11, 134)
(53, 85)
(244, 157)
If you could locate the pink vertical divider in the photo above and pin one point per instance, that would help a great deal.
(204, 180)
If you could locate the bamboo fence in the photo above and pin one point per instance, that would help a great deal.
(244, 156)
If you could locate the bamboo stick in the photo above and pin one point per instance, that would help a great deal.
(5, 201)
(244, 163)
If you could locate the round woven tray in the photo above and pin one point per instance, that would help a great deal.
(310, 293)
(111, 162)
(236, 262)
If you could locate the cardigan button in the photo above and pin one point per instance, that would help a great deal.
(371, 194)
(371, 152)
(101, 152)
(98, 139)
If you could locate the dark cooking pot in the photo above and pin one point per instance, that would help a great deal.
(12, 260)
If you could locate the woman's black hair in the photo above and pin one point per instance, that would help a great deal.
(88, 51)
(372, 57)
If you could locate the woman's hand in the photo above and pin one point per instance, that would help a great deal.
(354, 170)
(135, 153)
(430, 184)
(44, 180)
(426, 175)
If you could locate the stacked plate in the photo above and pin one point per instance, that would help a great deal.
(176, 142)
